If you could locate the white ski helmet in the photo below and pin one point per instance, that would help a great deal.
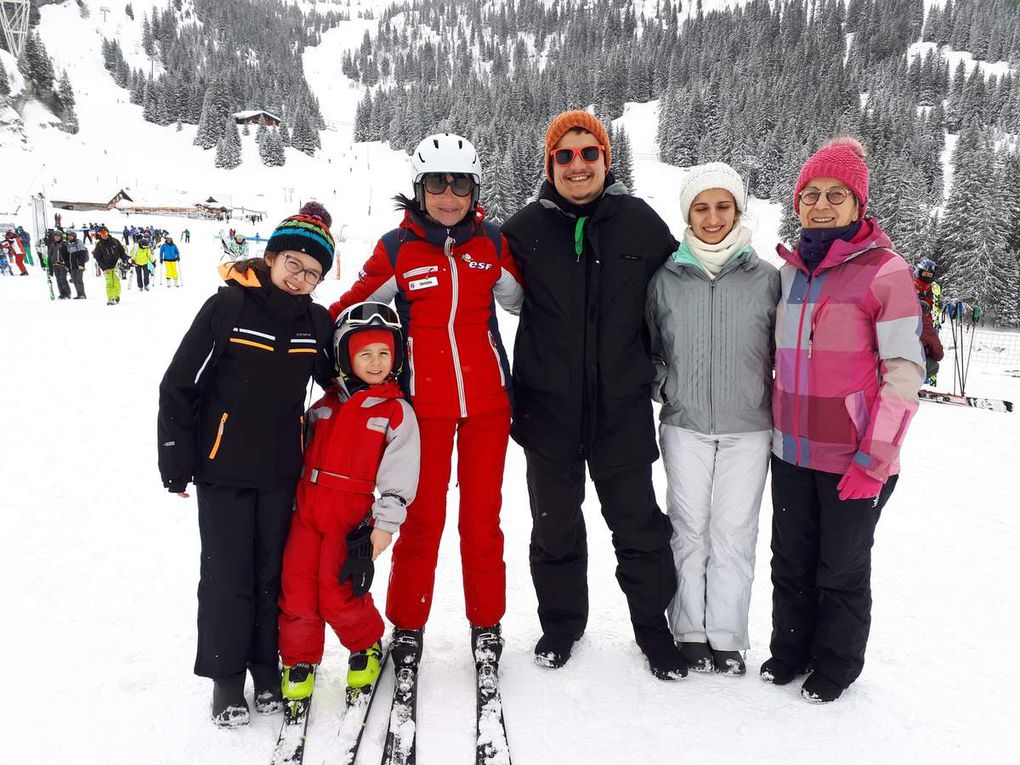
(445, 153)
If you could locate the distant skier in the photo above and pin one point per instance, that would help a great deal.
(141, 257)
(59, 262)
(241, 444)
(239, 247)
(170, 256)
(26, 242)
(77, 257)
(109, 254)
(929, 292)
(186, 236)
(15, 251)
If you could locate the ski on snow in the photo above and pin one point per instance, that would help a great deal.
(491, 745)
(290, 744)
(344, 748)
(400, 735)
(994, 404)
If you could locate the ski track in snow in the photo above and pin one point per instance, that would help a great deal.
(100, 564)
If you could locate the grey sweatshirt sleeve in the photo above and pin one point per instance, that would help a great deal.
(658, 359)
(397, 479)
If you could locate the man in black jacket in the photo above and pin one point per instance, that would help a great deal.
(59, 262)
(109, 253)
(582, 375)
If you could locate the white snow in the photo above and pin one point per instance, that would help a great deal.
(99, 564)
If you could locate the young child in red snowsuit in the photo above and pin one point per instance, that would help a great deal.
(363, 437)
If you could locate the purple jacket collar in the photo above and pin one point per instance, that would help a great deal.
(868, 237)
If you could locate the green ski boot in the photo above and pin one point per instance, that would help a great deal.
(298, 681)
(364, 666)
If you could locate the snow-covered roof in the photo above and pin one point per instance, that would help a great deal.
(255, 113)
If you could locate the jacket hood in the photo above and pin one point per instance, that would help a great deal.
(249, 278)
(870, 236)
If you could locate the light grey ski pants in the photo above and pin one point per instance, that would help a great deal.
(714, 490)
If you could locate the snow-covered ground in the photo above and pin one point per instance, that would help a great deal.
(100, 564)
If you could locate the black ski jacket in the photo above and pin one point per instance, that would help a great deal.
(108, 252)
(582, 369)
(235, 416)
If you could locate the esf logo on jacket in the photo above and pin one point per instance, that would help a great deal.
(475, 263)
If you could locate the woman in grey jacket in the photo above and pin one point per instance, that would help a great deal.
(711, 311)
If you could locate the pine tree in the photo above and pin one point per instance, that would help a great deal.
(271, 150)
(65, 95)
(623, 165)
(215, 110)
(228, 148)
(5, 86)
(302, 139)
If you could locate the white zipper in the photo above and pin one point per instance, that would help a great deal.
(499, 364)
(410, 363)
(455, 287)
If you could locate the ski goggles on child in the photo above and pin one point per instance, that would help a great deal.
(436, 183)
(370, 314)
(588, 153)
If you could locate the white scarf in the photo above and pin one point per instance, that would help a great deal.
(712, 257)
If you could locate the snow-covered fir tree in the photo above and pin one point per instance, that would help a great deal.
(65, 96)
(271, 150)
(623, 164)
(228, 148)
(5, 85)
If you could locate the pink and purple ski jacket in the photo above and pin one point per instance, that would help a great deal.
(848, 357)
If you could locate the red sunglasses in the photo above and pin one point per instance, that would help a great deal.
(588, 153)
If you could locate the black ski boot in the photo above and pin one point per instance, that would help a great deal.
(268, 696)
(819, 689)
(775, 672)
(553, 650)
(698, 656)
(729, 663)
(664, 657)
(406, 647)
(229, 709)
(487, 645)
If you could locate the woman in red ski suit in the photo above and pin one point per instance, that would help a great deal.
(444, 267)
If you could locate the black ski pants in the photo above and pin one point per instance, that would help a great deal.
(60, 274)
(559, 545)
(77, 279)
(821, 571)
(243, 532)
(142, 272)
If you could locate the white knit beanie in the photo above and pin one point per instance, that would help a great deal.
(714, 175)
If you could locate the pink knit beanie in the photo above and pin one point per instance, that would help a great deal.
(842, 159)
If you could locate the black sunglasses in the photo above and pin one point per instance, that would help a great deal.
(587, 153)
(436, 183)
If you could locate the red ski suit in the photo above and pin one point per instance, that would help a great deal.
(444, 282)
(15, 250)
(371, 439)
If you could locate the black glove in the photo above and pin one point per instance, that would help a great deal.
(176, 485)
(359, 567)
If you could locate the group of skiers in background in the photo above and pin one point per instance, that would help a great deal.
(63, 256)
(811, 370)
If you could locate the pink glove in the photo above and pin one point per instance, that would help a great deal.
(856, 484)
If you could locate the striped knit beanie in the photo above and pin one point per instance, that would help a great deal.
(306, 232)
(842, 159)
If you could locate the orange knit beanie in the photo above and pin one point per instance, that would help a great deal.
(563, 124)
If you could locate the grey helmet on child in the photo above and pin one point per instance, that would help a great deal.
(357, 318)
(445, 153)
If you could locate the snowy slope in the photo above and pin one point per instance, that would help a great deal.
(100, 564)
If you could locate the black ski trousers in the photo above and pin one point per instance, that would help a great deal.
(559, 545)
(243, 532)
(142, 272)
(60, 274)
(821, 571)
(77, 279)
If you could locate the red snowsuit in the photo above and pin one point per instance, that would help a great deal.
(15, 250)
(444, 282)
(369, 440)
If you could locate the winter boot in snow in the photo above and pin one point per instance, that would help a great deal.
(664, 657)
(819, 689)
(406, 648)
(729, 663)
(553, 650)
(775, 672)
(298, 681)
(229, 709)
(698, 656)
(268, 694)
(487, 645)
(363, 666)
